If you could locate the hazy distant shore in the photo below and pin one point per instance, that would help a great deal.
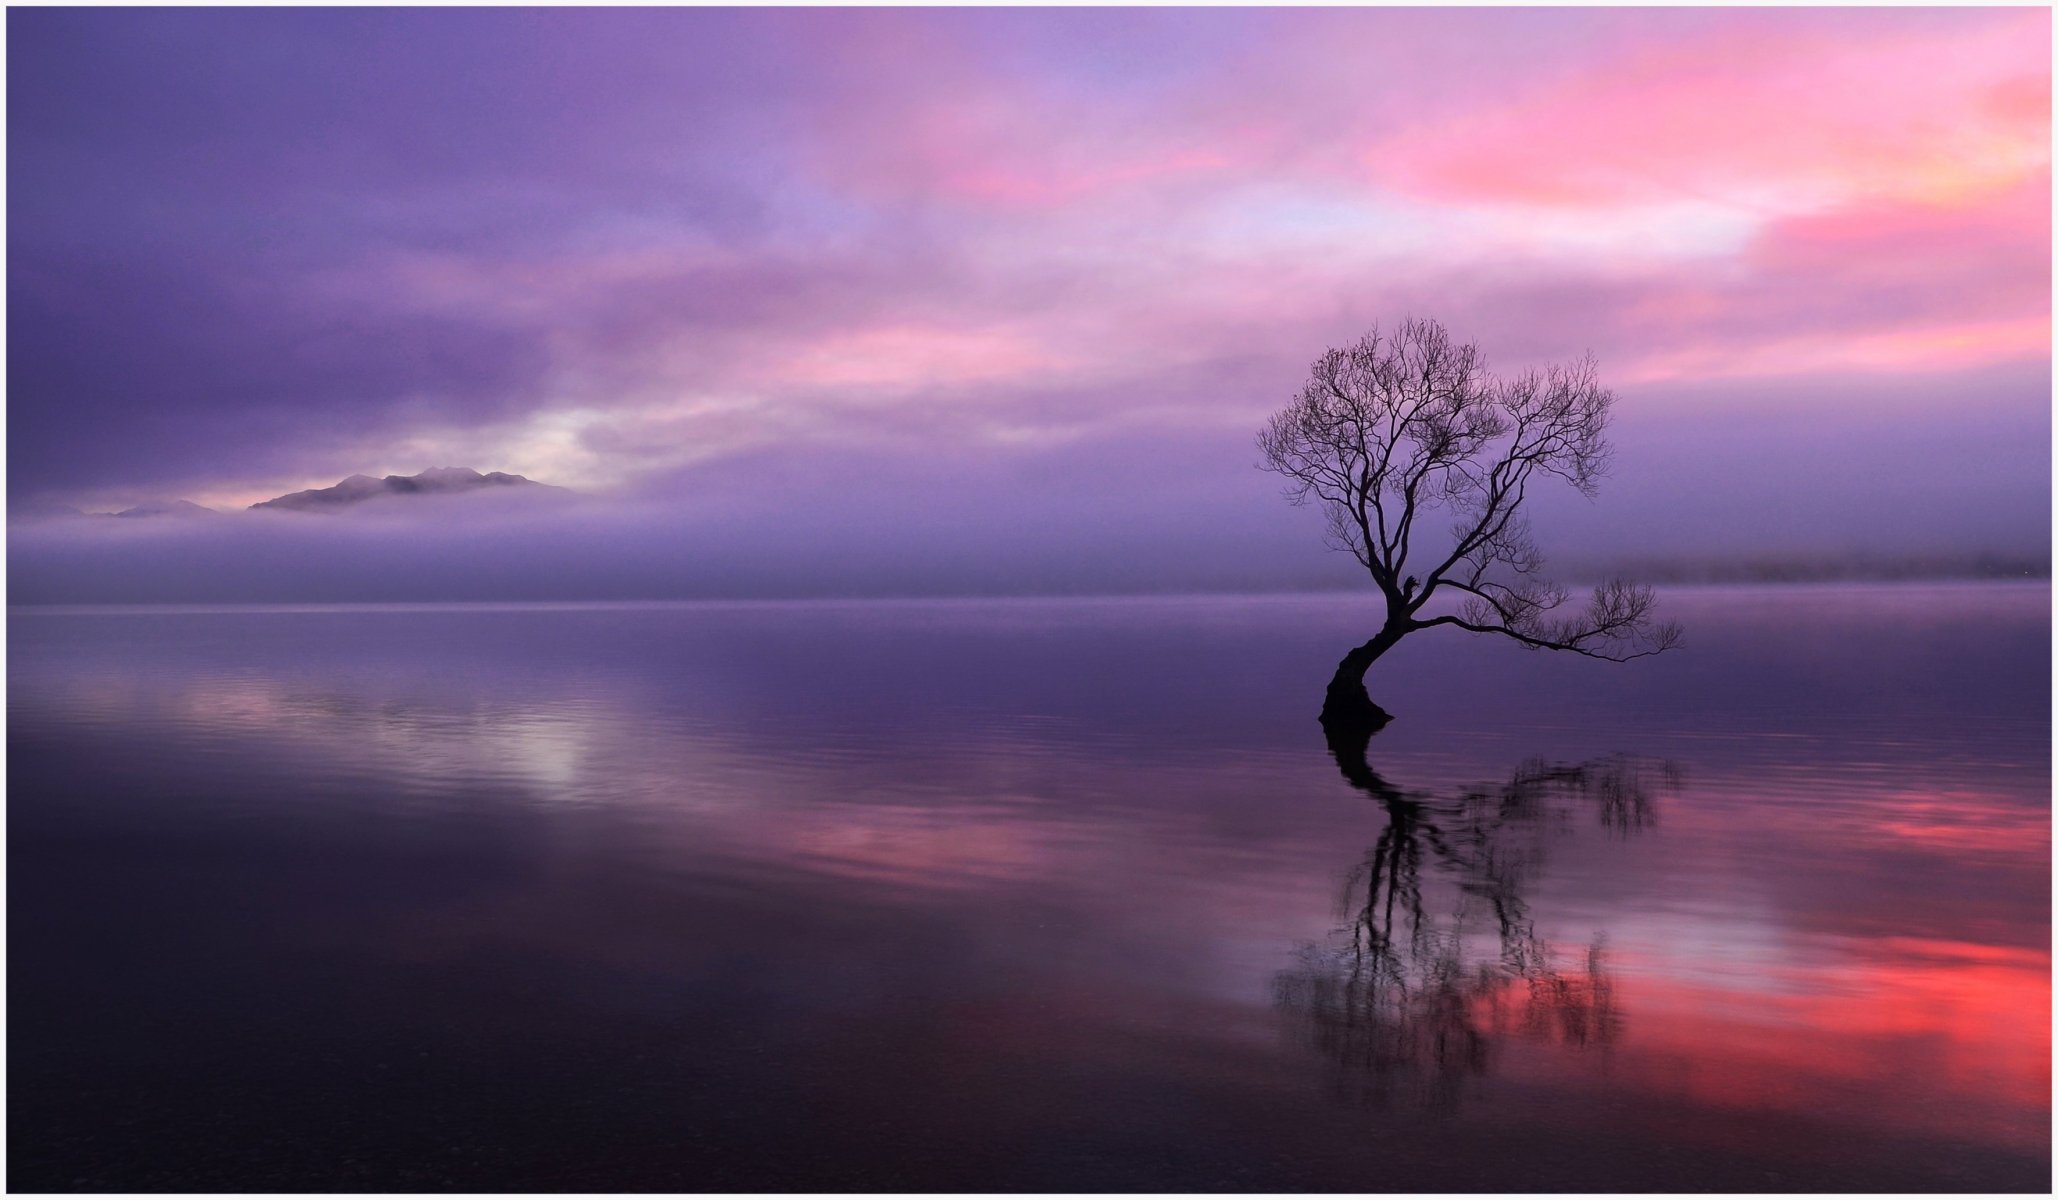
(1856, 569)
(60, 607)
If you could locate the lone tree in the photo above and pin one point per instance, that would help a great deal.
(1410, 423)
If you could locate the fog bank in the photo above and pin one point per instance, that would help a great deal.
(1145, 514)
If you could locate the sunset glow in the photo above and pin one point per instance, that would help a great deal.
(624, 247)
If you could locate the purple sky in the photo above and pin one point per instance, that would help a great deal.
(1016, 288)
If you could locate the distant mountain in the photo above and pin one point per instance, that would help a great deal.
(165, 508)
(41, 511)
(434, 481)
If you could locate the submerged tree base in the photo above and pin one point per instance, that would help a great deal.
(1349, 734)
(1349, 715)
(1347, 710)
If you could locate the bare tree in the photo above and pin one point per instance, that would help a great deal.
(1403, 425)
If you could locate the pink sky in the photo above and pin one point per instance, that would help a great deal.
(618, 250)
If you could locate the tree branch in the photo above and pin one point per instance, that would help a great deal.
(1392, 426)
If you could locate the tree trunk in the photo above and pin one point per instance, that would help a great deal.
(1347, 708)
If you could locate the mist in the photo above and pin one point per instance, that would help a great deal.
(1147, 513)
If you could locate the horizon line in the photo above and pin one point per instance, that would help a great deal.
(228, 607)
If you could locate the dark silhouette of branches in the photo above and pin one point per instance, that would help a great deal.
(1403, 998)
(1400, 426)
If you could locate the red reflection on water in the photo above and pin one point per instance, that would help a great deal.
(1930, 1036)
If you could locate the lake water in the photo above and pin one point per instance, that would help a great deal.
(1046, 895)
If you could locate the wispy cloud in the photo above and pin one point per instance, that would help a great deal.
(256, 251)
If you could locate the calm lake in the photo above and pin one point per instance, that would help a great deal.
(1046, 895)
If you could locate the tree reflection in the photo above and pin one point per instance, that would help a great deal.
(1414, 995)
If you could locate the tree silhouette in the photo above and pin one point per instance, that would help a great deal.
(1404, 996)
(1401, 425)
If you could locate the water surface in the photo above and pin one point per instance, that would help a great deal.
(1041, 895)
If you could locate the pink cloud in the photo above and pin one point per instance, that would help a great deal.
(1763, 113)
(905, 356)
(972, 240)
(1994, 237)
(1924, 348)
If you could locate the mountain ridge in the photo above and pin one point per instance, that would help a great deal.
(346, 493)
(164, 508)
(356, 489)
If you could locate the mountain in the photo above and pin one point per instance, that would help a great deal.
(434, 481)
(40, 510)
(164, 508)
(44, 511)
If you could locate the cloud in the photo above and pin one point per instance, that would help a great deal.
(254, 252)
(1765, 113)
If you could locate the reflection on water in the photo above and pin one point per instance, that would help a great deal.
(1016, 895)
(1412, 995)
